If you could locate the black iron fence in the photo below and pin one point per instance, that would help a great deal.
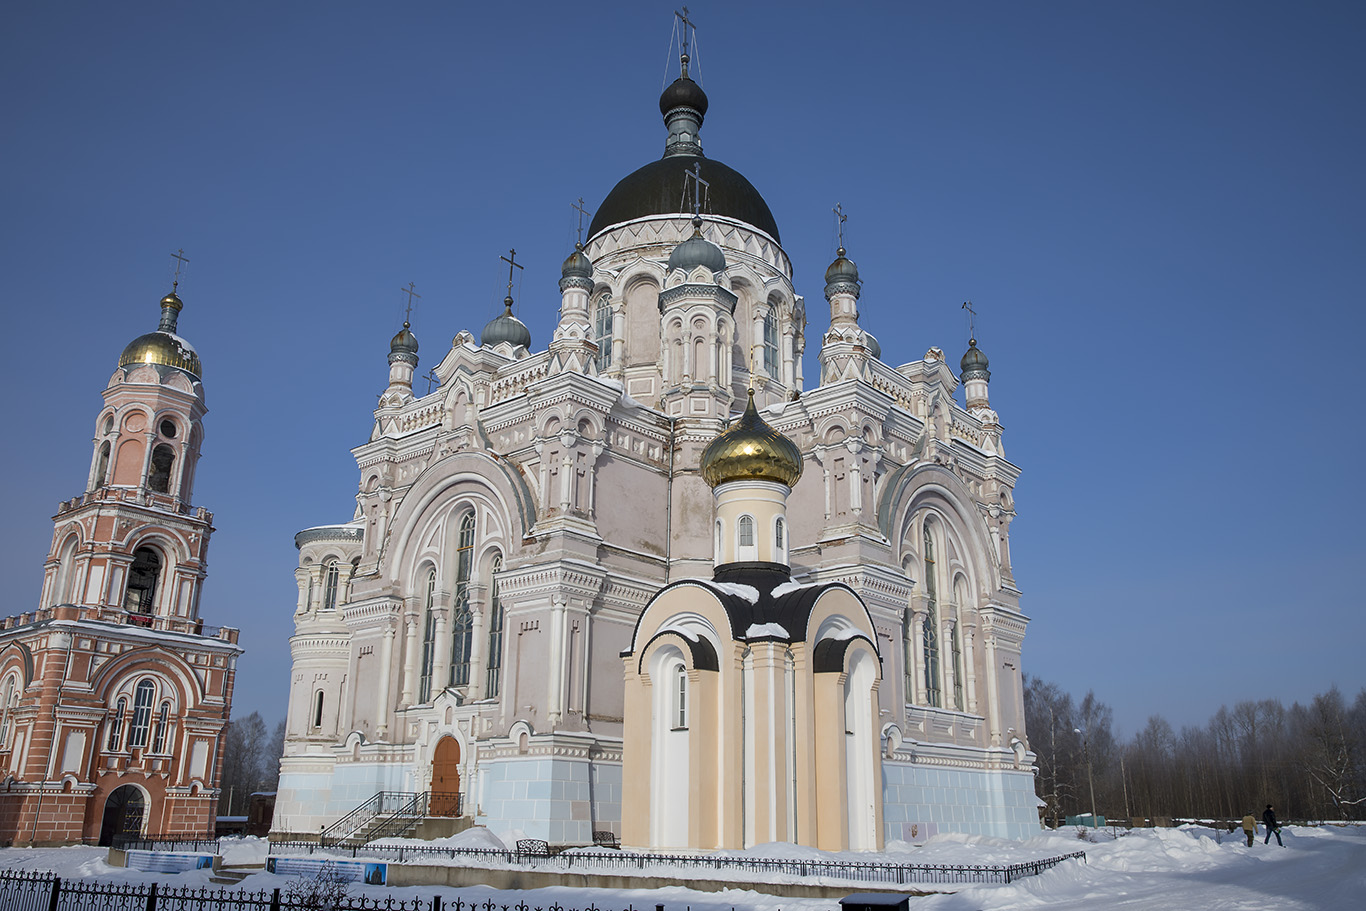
(628, 862)
(24, 891)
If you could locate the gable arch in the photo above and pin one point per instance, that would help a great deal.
(17, 656)
(461, 477)
(129, 666)
(913, 489)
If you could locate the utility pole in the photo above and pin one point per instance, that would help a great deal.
(1086, 751)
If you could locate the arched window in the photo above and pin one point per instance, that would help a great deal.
(933, 695)
(462, 626)
(780, 538)
(717, 544)
(680, 694)
(11, 700)
(495, 669)
(101, 466)
(142, 714)
(602, 331)
(62, 589)
(163, 719)
(744, 539)
(428, 641)
(159, 475)
(331, 575)
(771, 342)
(318, 709)
(116, 725)
(142, 581)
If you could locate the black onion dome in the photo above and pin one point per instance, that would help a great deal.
(683, 93)
(657, 189)
(873, 345)
(506, 328)
(974, 361)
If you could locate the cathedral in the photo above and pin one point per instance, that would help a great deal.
(115, 693)
(644, 579)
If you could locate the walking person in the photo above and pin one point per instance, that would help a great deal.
(1249, 828)
(1269, 819)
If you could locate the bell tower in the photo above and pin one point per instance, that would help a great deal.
(133, 546)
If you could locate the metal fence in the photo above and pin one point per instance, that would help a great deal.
(23, 891)
(627, 862)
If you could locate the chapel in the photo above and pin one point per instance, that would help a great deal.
(641, 578)
(115, 692)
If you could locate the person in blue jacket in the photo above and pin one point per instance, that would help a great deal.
(1269, 819)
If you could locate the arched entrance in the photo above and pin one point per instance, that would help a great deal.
(123, 814)
(445, 799)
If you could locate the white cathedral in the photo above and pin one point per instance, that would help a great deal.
(579, 595)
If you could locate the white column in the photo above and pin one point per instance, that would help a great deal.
(555, 703)
(412, 648)
(993, 690)
(918, 613)
(479, 646)
(969, 666)
(386, 661)
(946, 666)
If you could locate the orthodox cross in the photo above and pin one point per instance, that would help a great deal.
(695, 175)
(687, 24)
(840, 219)
(182, 261)
(582, 212)
(412, 293)
(972, 320)
(511, 260)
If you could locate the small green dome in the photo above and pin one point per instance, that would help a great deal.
(577, 265)
(403, 345)
(506, 328)
(841, 270)
(697, 251)
(974, 363)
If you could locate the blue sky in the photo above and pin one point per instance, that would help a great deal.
(1159, 210)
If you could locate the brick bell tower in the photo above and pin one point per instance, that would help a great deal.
(113, 692)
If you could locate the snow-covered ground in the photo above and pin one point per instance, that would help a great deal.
(1145, 870)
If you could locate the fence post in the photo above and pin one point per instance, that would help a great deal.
(436, 902)
(152, 898)
(56, 893)
(275, 900)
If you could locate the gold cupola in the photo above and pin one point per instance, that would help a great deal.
(163, 346)
(751, 450)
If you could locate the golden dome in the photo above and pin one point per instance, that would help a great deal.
(751, 450)
(163, 348)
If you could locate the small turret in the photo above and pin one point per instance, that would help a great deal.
(402, 358)
(506, 328)
(842, 289)
(975, 376)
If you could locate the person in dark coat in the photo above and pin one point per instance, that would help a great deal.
(1269, 818)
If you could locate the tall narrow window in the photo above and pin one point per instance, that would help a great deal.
(462, 626)
(142, 581)
(8, 709)
(428, 641)
(680, 718)
(771, 342)
(495, 670)
(101, 465)
(318, 709)
(779, 537)
(746, 538)
(159, 475)
(331, 575)
(142, 714)
(960, 597)
(602, 331)
(163, 719)
(932, 691)
(116, 726)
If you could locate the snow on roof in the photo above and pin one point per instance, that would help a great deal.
(766, 630)
(747, 592)
(788, 587)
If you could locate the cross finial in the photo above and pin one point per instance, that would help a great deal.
(840, 219)
(687, 24)
(179, 256)
(582, 214)
(695, 177)
(972, 321)
(411, 291)
(511, 260)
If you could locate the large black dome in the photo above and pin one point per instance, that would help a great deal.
(657, 189)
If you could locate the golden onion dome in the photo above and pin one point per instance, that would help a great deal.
(751, 450)
(164, 347)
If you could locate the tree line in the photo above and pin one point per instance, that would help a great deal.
(251, 762)
(1307, 760)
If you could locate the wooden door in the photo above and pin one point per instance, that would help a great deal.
(445, 799)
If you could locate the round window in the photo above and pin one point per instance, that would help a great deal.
(168, 430)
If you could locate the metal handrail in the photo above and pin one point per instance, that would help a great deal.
(401, 819)
(356, 820)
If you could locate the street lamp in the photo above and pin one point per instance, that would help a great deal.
(1086, 751)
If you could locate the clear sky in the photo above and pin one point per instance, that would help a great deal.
(1158, 209)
